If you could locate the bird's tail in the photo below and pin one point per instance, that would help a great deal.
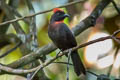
(77, 63)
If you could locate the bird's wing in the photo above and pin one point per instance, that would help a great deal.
(70, 37)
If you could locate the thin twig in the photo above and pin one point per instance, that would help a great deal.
(18, 71)
(32, 19)
(67, 73)
(116, 32)
(9, 14)
(32, 15)
(35, 72)
(114, 36)
(92, 73)
(63, 63)
(110, 69)
(24, 60)
(93, 41)
(22, 71)
(18, 14)
(80, 27)
(9, 51)
(118, 9)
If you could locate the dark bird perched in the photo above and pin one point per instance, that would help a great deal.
(63, 38)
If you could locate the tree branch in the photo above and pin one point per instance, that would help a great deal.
(33, 29)
(6, 39)
(13, 4)
(117, 9)
(22, 71)
(9, 14)
(83, 25)
(91, 19)
(32, 15)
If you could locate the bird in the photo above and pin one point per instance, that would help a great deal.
(64, 39)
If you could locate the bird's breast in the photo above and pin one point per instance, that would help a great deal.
(61, 36)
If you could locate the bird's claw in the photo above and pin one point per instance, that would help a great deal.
(69, 51)
(58, 53)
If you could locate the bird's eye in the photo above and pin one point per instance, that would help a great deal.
(58, 14)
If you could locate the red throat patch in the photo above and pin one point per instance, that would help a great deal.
(58, 22)
(57, 9)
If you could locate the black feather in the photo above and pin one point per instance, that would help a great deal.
(63, 38)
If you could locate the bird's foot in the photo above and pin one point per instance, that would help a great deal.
(69, 51)
(58, 53)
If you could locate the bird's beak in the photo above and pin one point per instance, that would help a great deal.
(66, 15)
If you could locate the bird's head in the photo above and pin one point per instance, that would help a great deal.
(58, 15)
